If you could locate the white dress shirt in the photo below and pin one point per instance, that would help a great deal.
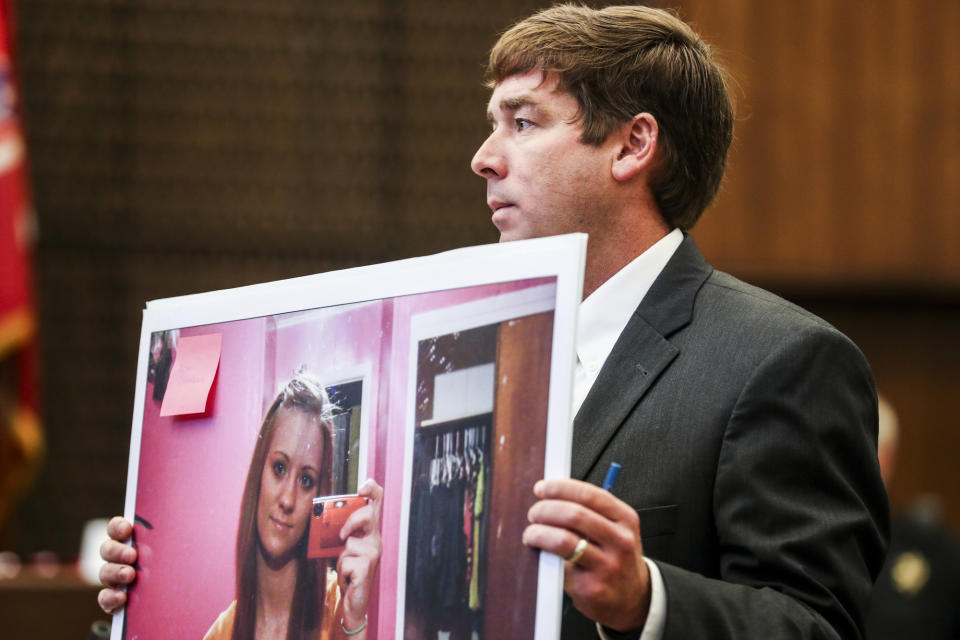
(603, 316)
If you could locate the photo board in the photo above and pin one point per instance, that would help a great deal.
(442, 381)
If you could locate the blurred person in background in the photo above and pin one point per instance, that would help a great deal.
(918, 593)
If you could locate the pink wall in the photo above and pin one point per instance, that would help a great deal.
(332, 345)
(189, 488)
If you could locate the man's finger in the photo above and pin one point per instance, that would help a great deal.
(111, 600)
(589, 495)
(577, 518)
(557, 541)
(119, 529)
(118, 552)
(117, 575)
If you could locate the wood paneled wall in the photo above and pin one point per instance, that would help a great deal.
(846, 165)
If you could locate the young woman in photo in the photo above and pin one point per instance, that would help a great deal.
(280, 593)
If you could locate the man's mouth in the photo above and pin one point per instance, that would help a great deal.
(497, 205)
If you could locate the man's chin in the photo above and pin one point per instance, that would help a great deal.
(510, 234)
(509, 224)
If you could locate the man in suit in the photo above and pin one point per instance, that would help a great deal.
(750, 503)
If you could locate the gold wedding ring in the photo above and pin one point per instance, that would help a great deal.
(578, 551)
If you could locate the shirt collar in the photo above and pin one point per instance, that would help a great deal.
(606, 311)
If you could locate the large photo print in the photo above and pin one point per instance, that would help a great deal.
(357, 469)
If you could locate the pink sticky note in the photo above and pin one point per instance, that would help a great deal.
(192, 375)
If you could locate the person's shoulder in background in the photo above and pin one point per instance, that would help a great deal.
(918, 593)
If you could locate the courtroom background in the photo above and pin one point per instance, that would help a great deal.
(177, 147)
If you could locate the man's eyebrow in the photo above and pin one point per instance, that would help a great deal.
(513, 103)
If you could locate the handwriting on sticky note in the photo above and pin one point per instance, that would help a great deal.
(192, 375)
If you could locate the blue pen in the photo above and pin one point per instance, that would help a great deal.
(611, 478)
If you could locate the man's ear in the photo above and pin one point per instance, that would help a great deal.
(638, 147)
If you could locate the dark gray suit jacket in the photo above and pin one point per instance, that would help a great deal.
(746, 428)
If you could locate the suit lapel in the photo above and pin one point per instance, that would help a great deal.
(641, 354)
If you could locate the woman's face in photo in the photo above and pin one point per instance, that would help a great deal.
(288, 483)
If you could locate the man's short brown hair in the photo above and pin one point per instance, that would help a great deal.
(621, 61)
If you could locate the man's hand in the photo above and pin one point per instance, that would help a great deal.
(118, 572)
(610, 582)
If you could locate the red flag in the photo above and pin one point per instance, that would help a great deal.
(21, 439)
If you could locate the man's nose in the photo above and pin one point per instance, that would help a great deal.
(488, 161)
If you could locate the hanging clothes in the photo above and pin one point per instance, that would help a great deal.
(446, 556)
(475, 600)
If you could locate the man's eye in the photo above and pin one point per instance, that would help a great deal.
(279, 469)
(306, 482)
(523, 124)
